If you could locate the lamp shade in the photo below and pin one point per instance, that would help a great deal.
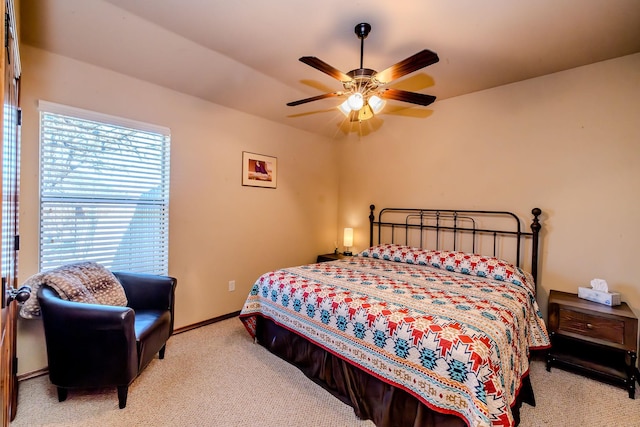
(355, 101)
(344, 108)
(376, 104)
(347, 239)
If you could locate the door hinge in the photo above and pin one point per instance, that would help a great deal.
(16, 242)
(6, 29)
(7, 17)
(19, 116)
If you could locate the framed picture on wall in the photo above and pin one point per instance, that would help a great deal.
(259, 170)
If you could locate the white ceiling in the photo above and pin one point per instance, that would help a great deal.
(243, 54)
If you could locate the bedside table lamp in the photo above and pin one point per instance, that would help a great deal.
(347, 241)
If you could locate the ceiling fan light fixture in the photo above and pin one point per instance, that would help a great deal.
(376, 104)
(344, 108)
(365, 113)
(355, 101)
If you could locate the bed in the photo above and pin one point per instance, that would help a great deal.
(418, 329)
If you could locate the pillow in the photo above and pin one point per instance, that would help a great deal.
(459, 262)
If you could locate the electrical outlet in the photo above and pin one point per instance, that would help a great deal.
(232, 285)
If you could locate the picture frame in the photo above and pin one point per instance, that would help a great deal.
(259, 170)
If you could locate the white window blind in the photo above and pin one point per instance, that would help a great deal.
(104, 191)
(10, 187)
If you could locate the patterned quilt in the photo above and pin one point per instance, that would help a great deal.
(453, 329)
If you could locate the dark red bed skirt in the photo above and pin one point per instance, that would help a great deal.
(370, 397)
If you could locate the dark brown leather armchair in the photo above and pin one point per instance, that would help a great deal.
(91, 345)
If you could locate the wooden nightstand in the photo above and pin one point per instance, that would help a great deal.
(594, 339)
(330, 257)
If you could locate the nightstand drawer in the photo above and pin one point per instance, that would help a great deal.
(590, 325)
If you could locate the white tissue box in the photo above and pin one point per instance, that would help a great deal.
(606, 298)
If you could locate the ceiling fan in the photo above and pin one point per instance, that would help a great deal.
(364, 87)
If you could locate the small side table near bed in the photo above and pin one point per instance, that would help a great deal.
(594, 339)
(330, 257)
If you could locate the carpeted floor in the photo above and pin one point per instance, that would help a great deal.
(217, 376)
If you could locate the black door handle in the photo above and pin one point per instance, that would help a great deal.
(20, 295)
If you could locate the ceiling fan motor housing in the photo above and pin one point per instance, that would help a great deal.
(362, 80)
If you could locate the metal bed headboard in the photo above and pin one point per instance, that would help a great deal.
(432, 228)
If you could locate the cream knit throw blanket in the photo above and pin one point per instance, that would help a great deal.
(86, 282)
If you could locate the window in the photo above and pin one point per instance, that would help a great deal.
(10, 182)
(104, 191)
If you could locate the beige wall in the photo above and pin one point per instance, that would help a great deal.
(568, 143)
(219, 230)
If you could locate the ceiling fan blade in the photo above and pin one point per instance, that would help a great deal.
(319, 64)
(313, 98)
(409, 65)
(405, 96)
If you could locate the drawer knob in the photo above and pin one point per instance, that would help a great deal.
(589, 326)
